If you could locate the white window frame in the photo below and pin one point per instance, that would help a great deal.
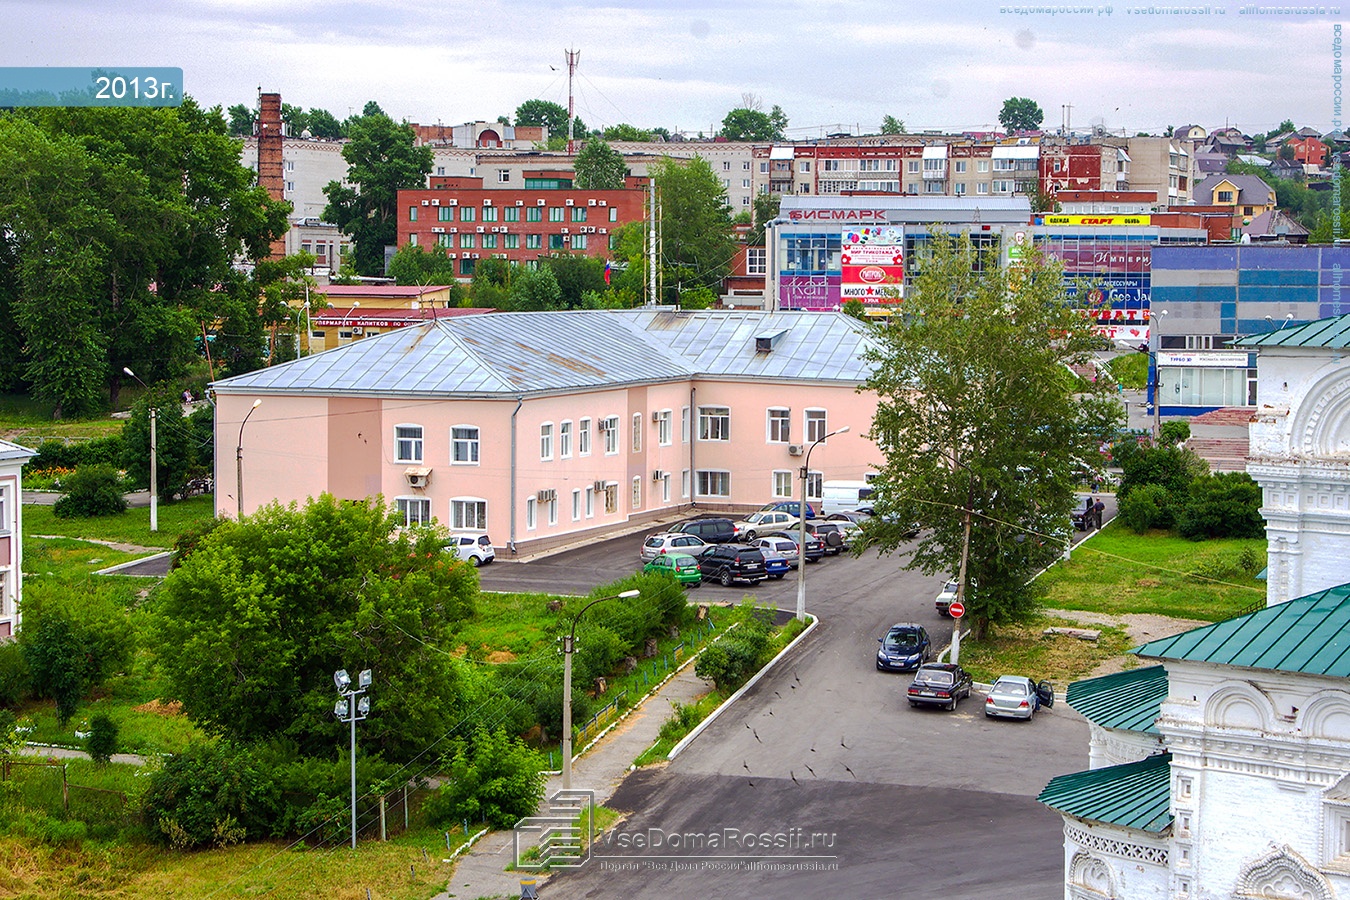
(686, 480)
(782, 484)
(405, 507)
(611, 497)
(665, 487)
(470, 444)
(565, 439)
(637, 433)
(756, 261)
(414, 446)
(576, 505)
(815, 486)
(684, 426)
(636, 493)
(460, 509)
(584, 437)
(545, 441)
(531, 513)
(552, 507)
(611, 433)
(816, 424)
(778, 425)
(590, 504)
(664, 433)
(6, 524)
(714, 423)
(706, 478)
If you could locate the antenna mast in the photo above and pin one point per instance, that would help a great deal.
(572, 57)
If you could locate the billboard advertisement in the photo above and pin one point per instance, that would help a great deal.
(809, 292)
(872, 264)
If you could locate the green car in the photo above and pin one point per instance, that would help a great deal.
(680, 566)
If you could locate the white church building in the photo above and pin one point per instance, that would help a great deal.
(1223, 769)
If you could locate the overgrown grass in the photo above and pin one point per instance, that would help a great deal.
(1119, 571)
(1026, 650)
(514, 624)
(685, 717)
(25, 420)
(409, 868)
(67, 557)
(131, 527)
(1130, 369)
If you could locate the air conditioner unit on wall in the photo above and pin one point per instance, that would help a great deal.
(520, 203)
(357, 329)
(539, 203)
(435, 202)
(794, 449)
(657, 475)
(570, 203)
(426, 202)
(487, 202)
(656, 416)
(417, 477)
(590, 202)
(437, 230)
(547, 496)
(481, 229)
(454, 203)
(598, 487)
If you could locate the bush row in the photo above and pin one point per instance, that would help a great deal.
(1169, 487)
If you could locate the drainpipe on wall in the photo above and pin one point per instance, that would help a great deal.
(693, 434)
(520, 401)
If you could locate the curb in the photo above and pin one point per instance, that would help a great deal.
(113, 570)
(726, 704)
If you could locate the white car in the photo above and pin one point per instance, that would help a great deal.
(762, 522)
(671, 542)
(474, 548)
(944, 600)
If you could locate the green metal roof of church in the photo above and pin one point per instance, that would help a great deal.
(1310, 635)
(1133, 795)
(1127, 700)
(1331, 333)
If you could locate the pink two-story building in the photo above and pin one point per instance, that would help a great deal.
(12, 458)
(539, 427)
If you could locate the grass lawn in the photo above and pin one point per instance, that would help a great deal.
(406, 868)
(27, 421)
(1025, 650)
(131, 527)
(1119, 571)
(506, 626)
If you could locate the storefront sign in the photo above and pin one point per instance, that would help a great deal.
(837, 215)
(872, 264)
(1093, 220)
(1201, 360)
(809, 292)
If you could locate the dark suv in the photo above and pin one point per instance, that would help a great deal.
(725, 563)
(711, 530)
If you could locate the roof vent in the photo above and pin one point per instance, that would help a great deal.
(764, 343)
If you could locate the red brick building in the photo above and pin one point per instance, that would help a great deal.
(469, 222)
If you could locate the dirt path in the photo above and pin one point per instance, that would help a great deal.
(114, 545)
(1141, 627)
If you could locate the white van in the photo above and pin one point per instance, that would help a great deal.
(844, 496)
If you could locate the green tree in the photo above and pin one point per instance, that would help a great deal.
(599, 167)
(252, 625)
(749, 124)
(72, 641)
(1173, 467)
(855, 308)
(94, 490)
(534, 290)
(294, 118)
(625, 132)
(102, 741)
(382, 159)
(323, 124)
(553, 117)
(697, 243)
(497, 780)
(765, 208)
(175, 453)
(415, 265)
(1020, 114)
(576, 275)
(892, 125)
(983, 430)
(242, 120)
(1221, 505)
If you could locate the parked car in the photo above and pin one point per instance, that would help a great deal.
(762, 522)
(836, 536)
(712, 530)
(814, 548)
(946, 598)
(681, 566)
(1017, 697)
(904, 648)
(474, 548)
(790, 507)
(778, 546)
(727, 563)
(939, 684)
(670, 542)
(776, 563)
(854, 516)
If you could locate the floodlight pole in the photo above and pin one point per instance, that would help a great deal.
(348, 709)
(801, 524)
(569, 644)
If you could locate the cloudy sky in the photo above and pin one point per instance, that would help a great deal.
(831, 66)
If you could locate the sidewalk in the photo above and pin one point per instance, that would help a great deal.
(482, 871)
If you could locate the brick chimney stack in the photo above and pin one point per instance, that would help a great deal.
(270, 174)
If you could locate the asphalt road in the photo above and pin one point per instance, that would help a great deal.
(903, 802)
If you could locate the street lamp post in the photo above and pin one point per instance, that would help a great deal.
(569, 643)
(349, 709)
(154, 460)
(801, 516)
(343, 320)
(239, 462)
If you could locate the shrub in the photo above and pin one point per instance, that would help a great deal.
(1227, 504)
(1150, 506)
(59, 454)
(72, 642)
(1174, 433)
(211, 795)
(1172, 467)
(102, 741)
(730, 662)
(1251, 561)
(15, 681)
(94, 490)
(189, 539)
(497, 780)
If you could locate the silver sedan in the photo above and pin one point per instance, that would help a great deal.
(1017, 697)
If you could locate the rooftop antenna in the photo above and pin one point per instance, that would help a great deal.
(572, 57)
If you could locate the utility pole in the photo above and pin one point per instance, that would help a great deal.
(651, 244)
(572, 57)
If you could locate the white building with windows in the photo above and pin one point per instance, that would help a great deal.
(12, 458)
(541, 427)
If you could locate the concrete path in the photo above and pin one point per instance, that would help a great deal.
(482, 871)
(129, 759)
(49, 498)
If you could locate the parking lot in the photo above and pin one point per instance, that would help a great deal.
(923, 803)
